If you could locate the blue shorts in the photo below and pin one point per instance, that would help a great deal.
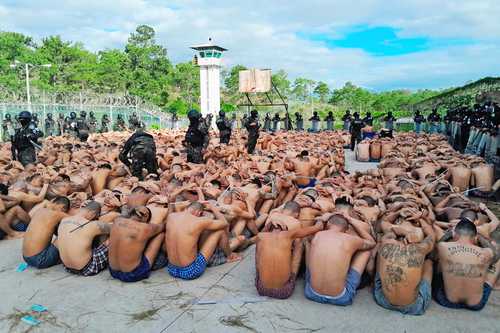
(20, 226)
(190, 272)
(312, 183)
(417, 308)
(352, 282)
(368, 135)
(48, 257)
(442, 299)
(141, 272)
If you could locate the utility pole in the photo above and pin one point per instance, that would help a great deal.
(27, 72)
(27, 76)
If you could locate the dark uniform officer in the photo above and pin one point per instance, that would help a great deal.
(104, 124)
(82, 127)
(267, 123)
(224, 126)
(252, 125)
(173, 120)
(389, 121)
(368, 120)
(35, 120)
(356, 125)
(205, 126)
(418, 119)
(71, 126)
(315, 120)
(195, 138)
(288, 122)
(299, 122)
(60, 124)
(330, 119)
(139, 152)
(434, 120)
(276, 122)
(25, 139)
(49, 125)
(119, 125)
(7, 128)
(92, 122)
(347, 120)
(133, 122)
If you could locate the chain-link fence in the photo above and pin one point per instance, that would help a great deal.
(100, 104)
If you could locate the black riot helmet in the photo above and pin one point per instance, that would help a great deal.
(194, 115)
(24, 118)
(7, 116)
(254, 113)
(72, 115)
(222, 114)
(91, 114)
(105, 116)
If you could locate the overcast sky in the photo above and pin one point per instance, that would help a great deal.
(379, 45)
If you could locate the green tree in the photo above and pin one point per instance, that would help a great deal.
(322, 91)
(149, 66)
(302, 88)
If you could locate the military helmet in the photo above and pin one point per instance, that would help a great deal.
(24, 115)
(222, 113)
(193, 115)
(72, 114)
(254, 113)
(7, 116)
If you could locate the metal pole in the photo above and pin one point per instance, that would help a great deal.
(111, 116)
(44, 112)
(4, 112)
(27, 72)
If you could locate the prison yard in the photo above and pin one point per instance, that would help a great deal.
(139, 194)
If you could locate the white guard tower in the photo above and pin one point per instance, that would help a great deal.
(209, 58)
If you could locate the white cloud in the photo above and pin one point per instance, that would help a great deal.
(264, 34)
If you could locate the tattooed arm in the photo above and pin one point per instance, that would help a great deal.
(485, 243)
(447, 236)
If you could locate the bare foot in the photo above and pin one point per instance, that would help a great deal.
(233, 257)
(497, 285)
(247, 242)
(236, 242)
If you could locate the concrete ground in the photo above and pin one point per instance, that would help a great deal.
(224, 299)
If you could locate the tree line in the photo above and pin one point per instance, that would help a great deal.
(142, 68)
